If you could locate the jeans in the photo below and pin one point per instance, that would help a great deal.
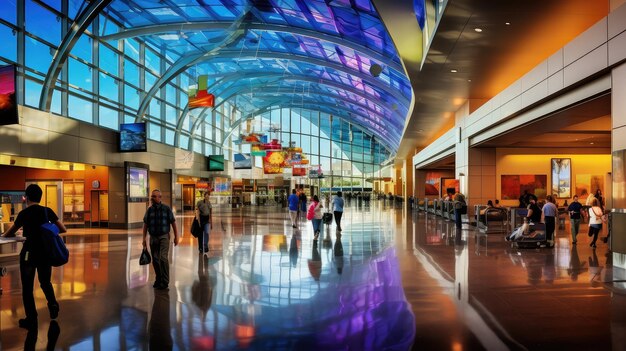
(294, 217)
(595, 230)
(338, 215)
(160, 247)
(457, 218)
(316, 224)
(574, 225)
(203, 241)
(550, 226)
(27, 275)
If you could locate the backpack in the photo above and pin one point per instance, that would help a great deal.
(310, 214)
(56, 251)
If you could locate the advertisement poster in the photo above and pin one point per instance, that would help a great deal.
(138, 181)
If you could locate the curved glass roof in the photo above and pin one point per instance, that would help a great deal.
(333, 56)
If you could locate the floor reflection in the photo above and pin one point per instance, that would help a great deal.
(391, 280)
(263, 285)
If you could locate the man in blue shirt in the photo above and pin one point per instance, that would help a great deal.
(574, 217)
(338, 209)
(293, 207)
(550, 212)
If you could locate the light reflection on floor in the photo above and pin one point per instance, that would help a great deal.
(391, 280)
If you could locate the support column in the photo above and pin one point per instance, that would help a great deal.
(618, 148)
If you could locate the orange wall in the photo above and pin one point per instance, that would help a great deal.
(14, 178)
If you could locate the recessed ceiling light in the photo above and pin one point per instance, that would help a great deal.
(453, 71)
(477, 30)
(591, 143)
(507, 23)
(469, 80)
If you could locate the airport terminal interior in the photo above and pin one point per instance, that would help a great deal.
(436, 129)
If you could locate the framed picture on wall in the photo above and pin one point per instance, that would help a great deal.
(562, 177)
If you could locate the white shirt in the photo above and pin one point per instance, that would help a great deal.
(593, 215)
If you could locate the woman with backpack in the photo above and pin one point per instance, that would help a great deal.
(314, 214)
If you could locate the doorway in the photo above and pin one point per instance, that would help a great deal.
(188, 197)
(52, 199)
(99, 209)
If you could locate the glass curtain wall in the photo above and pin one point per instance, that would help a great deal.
(103, 82)
(347, 154)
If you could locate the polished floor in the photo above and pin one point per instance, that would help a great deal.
(392, 280)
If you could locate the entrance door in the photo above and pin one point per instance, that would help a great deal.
(188, 196)
(52, 199)
(99, 210)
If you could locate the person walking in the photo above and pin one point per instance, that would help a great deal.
(338, 209)
(550, 212)
(316, 219)
(32, 257)
(595, 221)
(574, 217)
(157, 221)
(460, 208)
(302, 197)
(293, 208)
(204, 213)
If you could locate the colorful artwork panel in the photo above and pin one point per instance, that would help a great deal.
(432, 183)
(562, 177)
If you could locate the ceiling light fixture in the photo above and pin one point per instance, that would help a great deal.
(478, 30)
(453, 71)
(591, 143)
(507, 23)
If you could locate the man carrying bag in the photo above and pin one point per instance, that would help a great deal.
(34, 256)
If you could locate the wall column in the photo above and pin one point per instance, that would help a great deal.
(618, 143)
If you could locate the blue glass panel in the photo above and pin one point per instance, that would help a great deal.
(38, 55)
(154, 131)
(131, 73)
(131, 97)
(55, 4)
(108, 60)
(108, 87)
(131, 49)
(55, 106)
(152, 61)
(83, 48)
(80, 109)
(9, 11)
(8, 49)
(107, 26)
(108, 118)
(32, 93)
(155, 109)
(42, 23)
(169, 136)
(170, 94)
(183, 141)
(80, 75)
(171, 114)
(150, 79)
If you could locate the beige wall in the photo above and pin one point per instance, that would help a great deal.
(482, 176)
(538, 161)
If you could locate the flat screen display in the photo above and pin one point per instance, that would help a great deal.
(133, 137)
(216, 163)
(8, 104)
(243, 161)
(138, 182)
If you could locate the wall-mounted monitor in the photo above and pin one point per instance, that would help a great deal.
(133, 137)
(137, 181)
(8, 102)
(216, 163)
(243, 161)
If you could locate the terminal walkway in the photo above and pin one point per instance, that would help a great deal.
(392, 280)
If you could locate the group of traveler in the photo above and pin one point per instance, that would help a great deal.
(314, 213)
(593, 209)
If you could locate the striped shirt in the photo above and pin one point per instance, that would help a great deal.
(158, 219)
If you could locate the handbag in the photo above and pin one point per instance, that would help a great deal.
(145, 257)
(327, 218)
(196, 230)
(55, 248)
